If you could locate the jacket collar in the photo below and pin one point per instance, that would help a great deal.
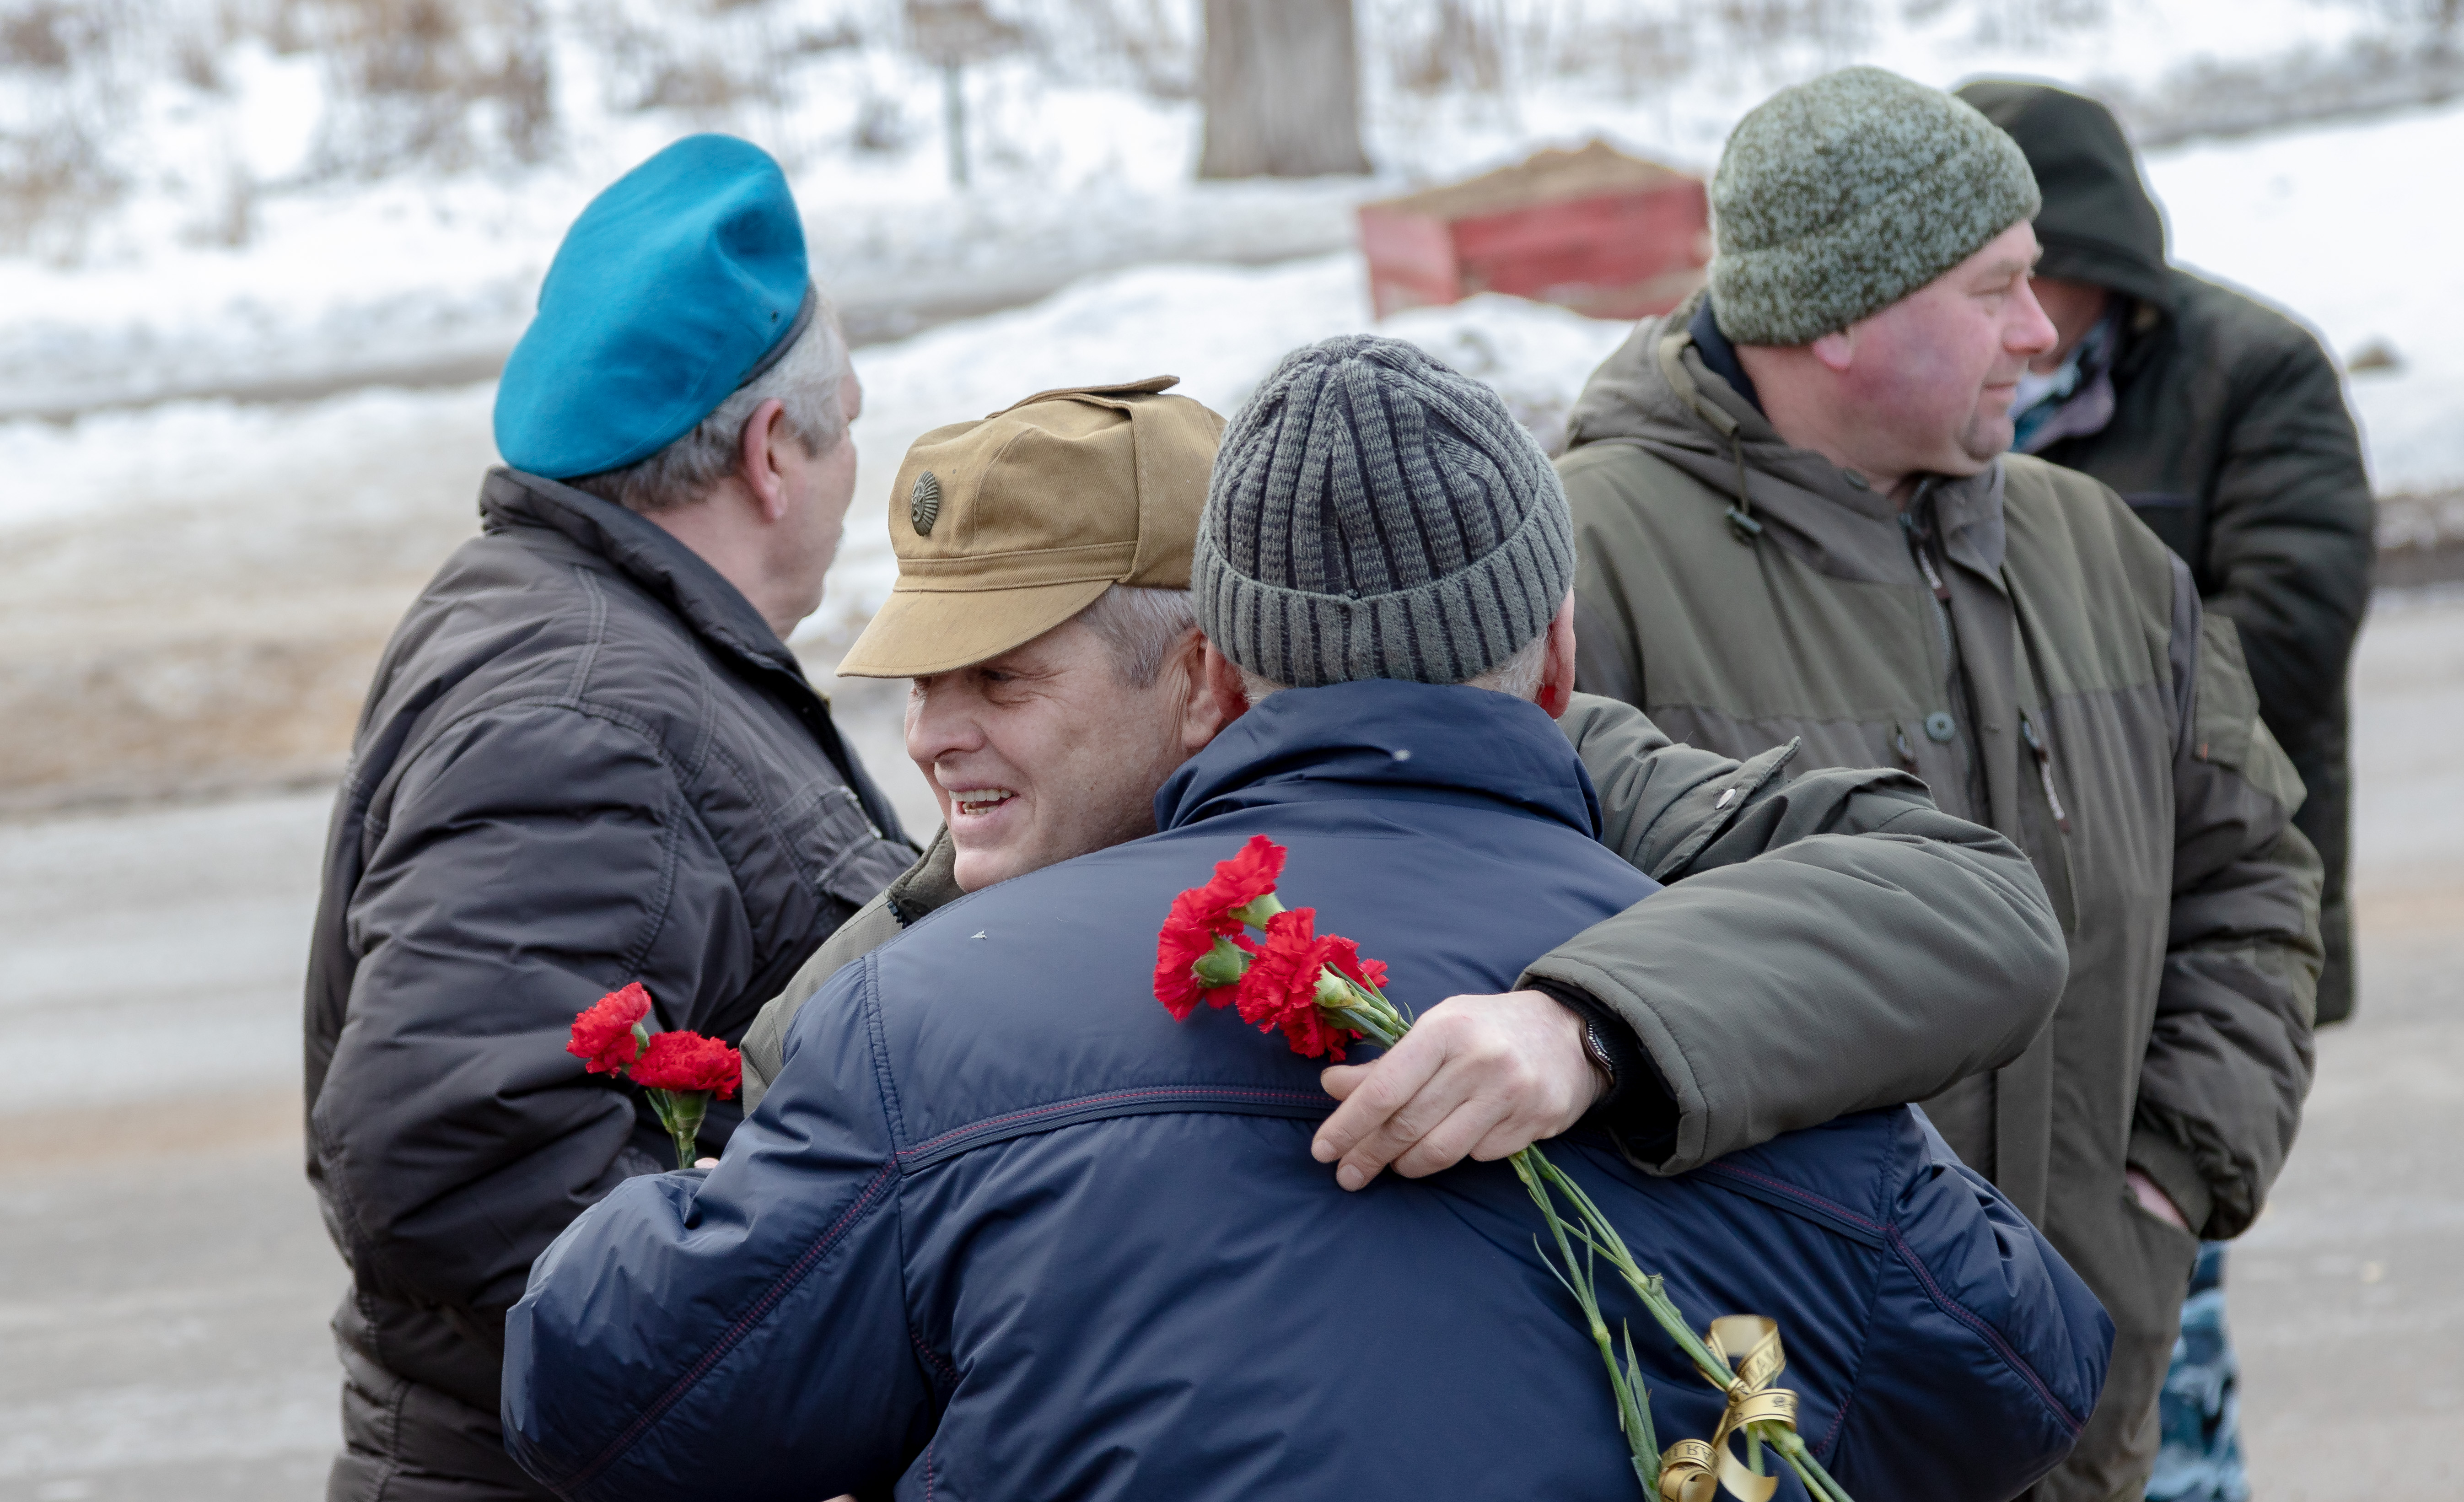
(679, 577)
(1381, 740)
(643, 552)
(1657, 393)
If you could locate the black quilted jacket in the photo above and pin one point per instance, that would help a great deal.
(584, 761)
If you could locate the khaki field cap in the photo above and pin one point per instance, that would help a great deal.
(1005, 529)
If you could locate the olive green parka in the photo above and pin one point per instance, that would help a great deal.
(2019, 641)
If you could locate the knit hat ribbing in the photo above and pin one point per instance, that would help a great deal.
(1836, 198)
(1374, 514)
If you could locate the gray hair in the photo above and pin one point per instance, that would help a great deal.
(1141, 627)
(1518, 676)
(805, 380)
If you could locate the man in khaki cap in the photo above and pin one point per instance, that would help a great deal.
(1043, 611)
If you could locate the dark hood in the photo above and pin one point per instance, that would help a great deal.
(1382, 739)
(2098, 223)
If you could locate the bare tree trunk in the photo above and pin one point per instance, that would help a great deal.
(1282, 89)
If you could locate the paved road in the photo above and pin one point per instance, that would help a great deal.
(166, 1281)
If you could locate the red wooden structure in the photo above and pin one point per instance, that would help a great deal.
(1597, 230)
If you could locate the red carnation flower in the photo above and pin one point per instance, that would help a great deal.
(1239, 881)
(602, 1035)
(688, 1061)
(1183, 943)
(1281, 988)
(1202, 913)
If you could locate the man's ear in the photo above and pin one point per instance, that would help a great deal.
(1558, 667)
(1836, 351)
(1216, 697)
(758, 458)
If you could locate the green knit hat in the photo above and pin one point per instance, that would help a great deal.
(1838, 197)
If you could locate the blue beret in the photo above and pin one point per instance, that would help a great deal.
(685, 279)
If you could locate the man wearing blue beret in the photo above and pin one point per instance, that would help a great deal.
(588, 758)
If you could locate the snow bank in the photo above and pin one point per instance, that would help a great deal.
(1081, 157)
(2330, 222)
(1220, 328)
(2352, 229)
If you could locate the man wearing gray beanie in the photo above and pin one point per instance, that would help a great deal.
(1796, 521)
(1375, 515)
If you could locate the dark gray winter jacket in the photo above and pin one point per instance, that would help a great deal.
(584, 761)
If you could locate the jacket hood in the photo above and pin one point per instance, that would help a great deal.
(1655, 393)
(1382, 739)
(2098, 223)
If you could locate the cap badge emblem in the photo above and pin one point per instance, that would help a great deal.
(924, 503)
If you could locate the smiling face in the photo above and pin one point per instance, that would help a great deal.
(1930, 379)
(1047, 752)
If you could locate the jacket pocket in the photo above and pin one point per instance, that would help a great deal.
(850, 859)
(2166, 1256)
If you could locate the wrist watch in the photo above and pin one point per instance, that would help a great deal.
(1598, 1048)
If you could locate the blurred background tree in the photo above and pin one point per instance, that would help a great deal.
(1282, 89)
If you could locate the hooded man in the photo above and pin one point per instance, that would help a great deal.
(1003, 1226)
(1042, 616)
(587, 758)
(2223, 423)
(1797, 519)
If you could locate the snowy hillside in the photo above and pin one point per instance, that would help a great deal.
(270, 196)
(198, 588)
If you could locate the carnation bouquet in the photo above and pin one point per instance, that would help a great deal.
(679, 1072)
(1321, 994)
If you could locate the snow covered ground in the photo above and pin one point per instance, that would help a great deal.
(2332, 222)
(2350, 227)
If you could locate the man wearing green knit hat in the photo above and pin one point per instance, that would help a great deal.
(1796, 520)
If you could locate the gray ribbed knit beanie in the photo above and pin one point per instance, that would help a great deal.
(1377, 515)
(1838, 197)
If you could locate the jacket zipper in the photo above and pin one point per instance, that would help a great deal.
(2044, 770)
(1940, 603)
(1900, 743)
(1933, 581)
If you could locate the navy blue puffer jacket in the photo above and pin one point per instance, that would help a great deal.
(1002, 1229)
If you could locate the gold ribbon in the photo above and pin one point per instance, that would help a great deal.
(1691, 1471)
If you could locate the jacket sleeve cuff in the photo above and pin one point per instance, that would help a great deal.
(2170, 1165)
(1638, 1106)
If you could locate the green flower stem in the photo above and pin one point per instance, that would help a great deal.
(1602, 1237)
(1366, 1011)
(680, 1111)
(1633, 1399)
